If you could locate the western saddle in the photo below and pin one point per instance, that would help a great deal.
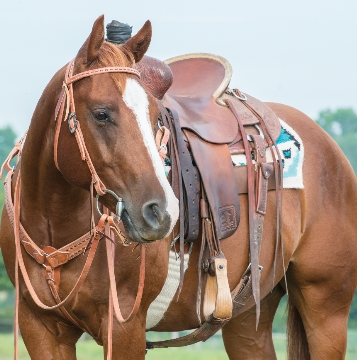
(210, 122)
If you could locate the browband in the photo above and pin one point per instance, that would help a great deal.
(104, 70)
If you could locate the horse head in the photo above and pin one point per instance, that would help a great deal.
(117, 118)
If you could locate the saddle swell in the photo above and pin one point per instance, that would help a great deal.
(155, 75)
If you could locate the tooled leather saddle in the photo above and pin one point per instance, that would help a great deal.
(209, 123)
(195, 86)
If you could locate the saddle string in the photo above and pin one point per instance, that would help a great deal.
(199, 268)
(278, 169)
(210, 245)
(254, 247)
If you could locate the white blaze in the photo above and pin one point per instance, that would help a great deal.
(136, 99)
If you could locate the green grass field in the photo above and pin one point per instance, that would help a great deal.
(211, 350)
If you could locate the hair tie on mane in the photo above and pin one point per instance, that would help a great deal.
(118, 32)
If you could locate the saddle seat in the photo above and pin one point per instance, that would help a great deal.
(199, 84)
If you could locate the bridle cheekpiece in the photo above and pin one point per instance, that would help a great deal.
(66, 100)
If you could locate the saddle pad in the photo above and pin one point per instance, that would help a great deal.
(291, 150)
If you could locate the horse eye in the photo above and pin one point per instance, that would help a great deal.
(101, 115)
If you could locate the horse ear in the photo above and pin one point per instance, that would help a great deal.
(140, 42)
(95, 40)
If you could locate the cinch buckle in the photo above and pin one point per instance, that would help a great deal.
(249, 268)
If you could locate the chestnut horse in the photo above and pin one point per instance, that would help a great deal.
(318, 226)
(116, 117)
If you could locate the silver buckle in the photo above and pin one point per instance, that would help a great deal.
(249, 268)
(73, 129)
(242, 98)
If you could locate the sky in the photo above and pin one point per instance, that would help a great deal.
(301, 53)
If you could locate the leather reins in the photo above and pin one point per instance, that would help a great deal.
(50, 258)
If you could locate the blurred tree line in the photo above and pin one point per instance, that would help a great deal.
(7, 141)
(340, 124)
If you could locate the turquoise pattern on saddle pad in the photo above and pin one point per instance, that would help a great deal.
(291, 150)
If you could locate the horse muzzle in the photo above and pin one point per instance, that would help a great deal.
(155, 224)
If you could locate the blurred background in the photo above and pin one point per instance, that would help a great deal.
(303, 54)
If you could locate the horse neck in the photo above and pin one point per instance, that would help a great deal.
(53, 212)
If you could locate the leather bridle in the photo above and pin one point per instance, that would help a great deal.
(53, 259)
(66, 100)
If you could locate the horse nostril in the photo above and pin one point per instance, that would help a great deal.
(152, 215)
